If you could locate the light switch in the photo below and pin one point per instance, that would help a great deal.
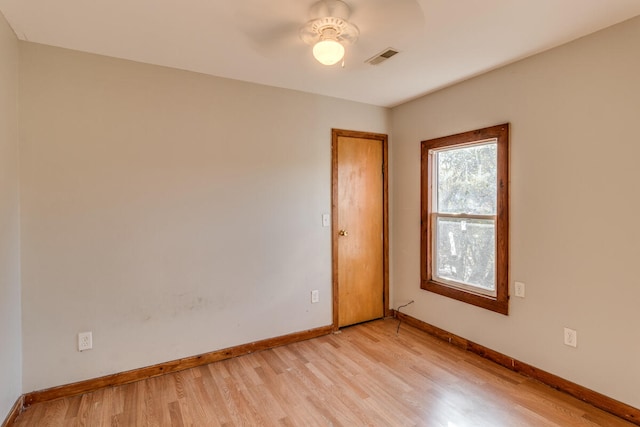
(519, 288)
(326, 220)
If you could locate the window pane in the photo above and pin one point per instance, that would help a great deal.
(465, 251)
(467, 179)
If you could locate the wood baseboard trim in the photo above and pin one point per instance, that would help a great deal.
(15, 411)
(591, 397)
(134, 375)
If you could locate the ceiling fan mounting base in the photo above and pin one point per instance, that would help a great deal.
(343, 30)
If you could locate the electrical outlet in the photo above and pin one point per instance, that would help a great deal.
(570, 337)
(85, 341)
(315, 296)
(519, 288)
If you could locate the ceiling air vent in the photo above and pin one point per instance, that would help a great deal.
(382, 56)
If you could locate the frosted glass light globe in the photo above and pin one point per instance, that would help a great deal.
(328, 52)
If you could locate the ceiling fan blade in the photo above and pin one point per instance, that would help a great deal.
(274, 40)
(380, 17)
(270, 30)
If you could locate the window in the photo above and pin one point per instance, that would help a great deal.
(465, 217)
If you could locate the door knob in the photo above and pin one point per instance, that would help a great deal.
(343, 233)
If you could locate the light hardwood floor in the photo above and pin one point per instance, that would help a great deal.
(365, 375)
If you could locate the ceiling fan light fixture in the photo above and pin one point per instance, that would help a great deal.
(328, 51)
(329, 34)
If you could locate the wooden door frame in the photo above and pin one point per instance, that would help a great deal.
(335, 134)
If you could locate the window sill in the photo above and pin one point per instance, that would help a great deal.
(490, 303)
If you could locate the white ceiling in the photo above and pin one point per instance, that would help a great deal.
(440, 41)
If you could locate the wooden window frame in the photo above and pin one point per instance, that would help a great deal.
(500, 302)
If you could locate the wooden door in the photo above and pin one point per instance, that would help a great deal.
(360, 260)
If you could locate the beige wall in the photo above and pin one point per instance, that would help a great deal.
(10, 329)
(171, 213)
(574, 200)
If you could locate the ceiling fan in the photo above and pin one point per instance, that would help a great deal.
(330, 31)
(277, 31)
